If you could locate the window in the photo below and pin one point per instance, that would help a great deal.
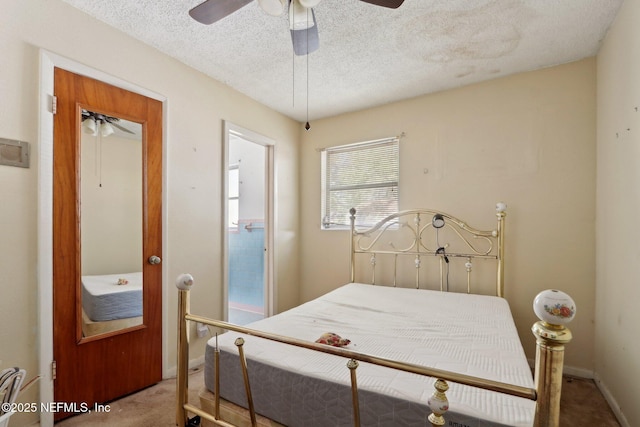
(362, 176)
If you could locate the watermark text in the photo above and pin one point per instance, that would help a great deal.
(53, 407)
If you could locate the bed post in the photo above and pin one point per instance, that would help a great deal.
(438, 403)
(352, 248)
(183, 283)
(501, 213)
(554, 309)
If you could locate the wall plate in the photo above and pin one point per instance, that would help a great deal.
(14, 153)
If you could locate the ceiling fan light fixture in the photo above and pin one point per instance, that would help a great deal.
(273, 7)
(299, 16)
(89, 126)
(309, 3)
(106, 129)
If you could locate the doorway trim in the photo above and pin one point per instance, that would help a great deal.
(49, 60)
(270, 211)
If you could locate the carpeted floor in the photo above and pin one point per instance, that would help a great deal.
(582, 405)
(152, 407)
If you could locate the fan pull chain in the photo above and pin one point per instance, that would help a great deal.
(100, 160)
(97, 158)
(307, 126)
(95, 155)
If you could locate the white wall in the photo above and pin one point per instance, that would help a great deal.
(618, 209)
(193, 168)
(527, 140)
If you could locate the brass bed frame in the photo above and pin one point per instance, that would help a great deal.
(477, 244)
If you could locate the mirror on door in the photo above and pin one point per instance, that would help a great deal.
(110, 224)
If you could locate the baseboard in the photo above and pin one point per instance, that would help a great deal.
(173, 371)
(611, 401)
(571, 371)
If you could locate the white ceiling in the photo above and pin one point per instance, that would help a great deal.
(369, 55)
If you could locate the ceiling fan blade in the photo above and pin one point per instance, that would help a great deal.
(306, 40)
(214, 10)
(122, 128)
(392, 4)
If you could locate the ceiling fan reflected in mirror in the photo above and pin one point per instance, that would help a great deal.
(302, 20)
(92, 123)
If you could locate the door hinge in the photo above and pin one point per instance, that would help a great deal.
(54, 369)
(54, 104)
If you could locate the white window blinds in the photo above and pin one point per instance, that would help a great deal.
(363, 176)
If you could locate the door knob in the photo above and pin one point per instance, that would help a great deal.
(153, 259)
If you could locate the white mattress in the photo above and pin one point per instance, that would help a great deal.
(103, 299)
(469, 334)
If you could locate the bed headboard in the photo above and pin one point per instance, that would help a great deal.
(422, 233)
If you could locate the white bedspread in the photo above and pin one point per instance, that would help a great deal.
(469, 334)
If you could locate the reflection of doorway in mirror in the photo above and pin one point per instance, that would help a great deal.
(111, 223)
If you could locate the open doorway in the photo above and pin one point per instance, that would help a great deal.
(248, 226)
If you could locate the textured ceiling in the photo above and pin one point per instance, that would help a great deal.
(368, 55)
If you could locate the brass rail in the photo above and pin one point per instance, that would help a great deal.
(245, 375)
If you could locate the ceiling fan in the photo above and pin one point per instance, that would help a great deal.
(96, 122)
(302, 24)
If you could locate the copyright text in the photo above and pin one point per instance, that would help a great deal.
(72, 407)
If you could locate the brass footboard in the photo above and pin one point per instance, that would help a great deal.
(548, 375)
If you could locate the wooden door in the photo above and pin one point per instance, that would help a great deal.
(100, 368)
